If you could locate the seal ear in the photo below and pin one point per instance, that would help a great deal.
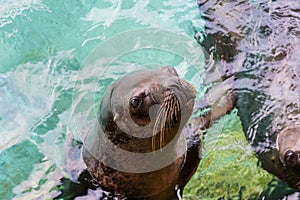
(170, 70)
(105, 112)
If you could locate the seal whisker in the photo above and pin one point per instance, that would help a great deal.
(162, 129)
(161, 111)
(163, 121)
(167, 116)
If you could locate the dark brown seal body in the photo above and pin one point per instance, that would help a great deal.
(136, 148)
(256, 45)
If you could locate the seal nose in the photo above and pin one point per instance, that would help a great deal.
(189, 89)
(182, 86)
(292, 158)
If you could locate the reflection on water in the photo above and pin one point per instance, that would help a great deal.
(259, 47)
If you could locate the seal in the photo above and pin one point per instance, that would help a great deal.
(141, 147)
(255, 69)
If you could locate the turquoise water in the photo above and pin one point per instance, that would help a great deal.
(49, 88)
(56, 60)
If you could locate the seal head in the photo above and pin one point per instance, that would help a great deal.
(289, 147)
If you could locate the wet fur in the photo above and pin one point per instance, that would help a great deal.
(165, 183)
(257, 44)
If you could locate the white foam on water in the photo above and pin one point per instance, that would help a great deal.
(27, 95)
(10, 9)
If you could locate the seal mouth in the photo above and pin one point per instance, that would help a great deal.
(169, 114)
(177, 104)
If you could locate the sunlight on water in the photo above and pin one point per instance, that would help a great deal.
(58, 58)
(44, 87)
(11, 9)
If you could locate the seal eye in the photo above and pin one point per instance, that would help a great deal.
(290, 157)
(136, 102)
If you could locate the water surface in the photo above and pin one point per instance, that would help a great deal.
(48, 91)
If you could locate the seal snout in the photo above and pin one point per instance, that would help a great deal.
(183, 88)
(189, 89)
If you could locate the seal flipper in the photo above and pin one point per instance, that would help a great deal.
(219, 101)
(70, 190)
(193, 154)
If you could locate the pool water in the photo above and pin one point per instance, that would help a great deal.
(56, 60)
